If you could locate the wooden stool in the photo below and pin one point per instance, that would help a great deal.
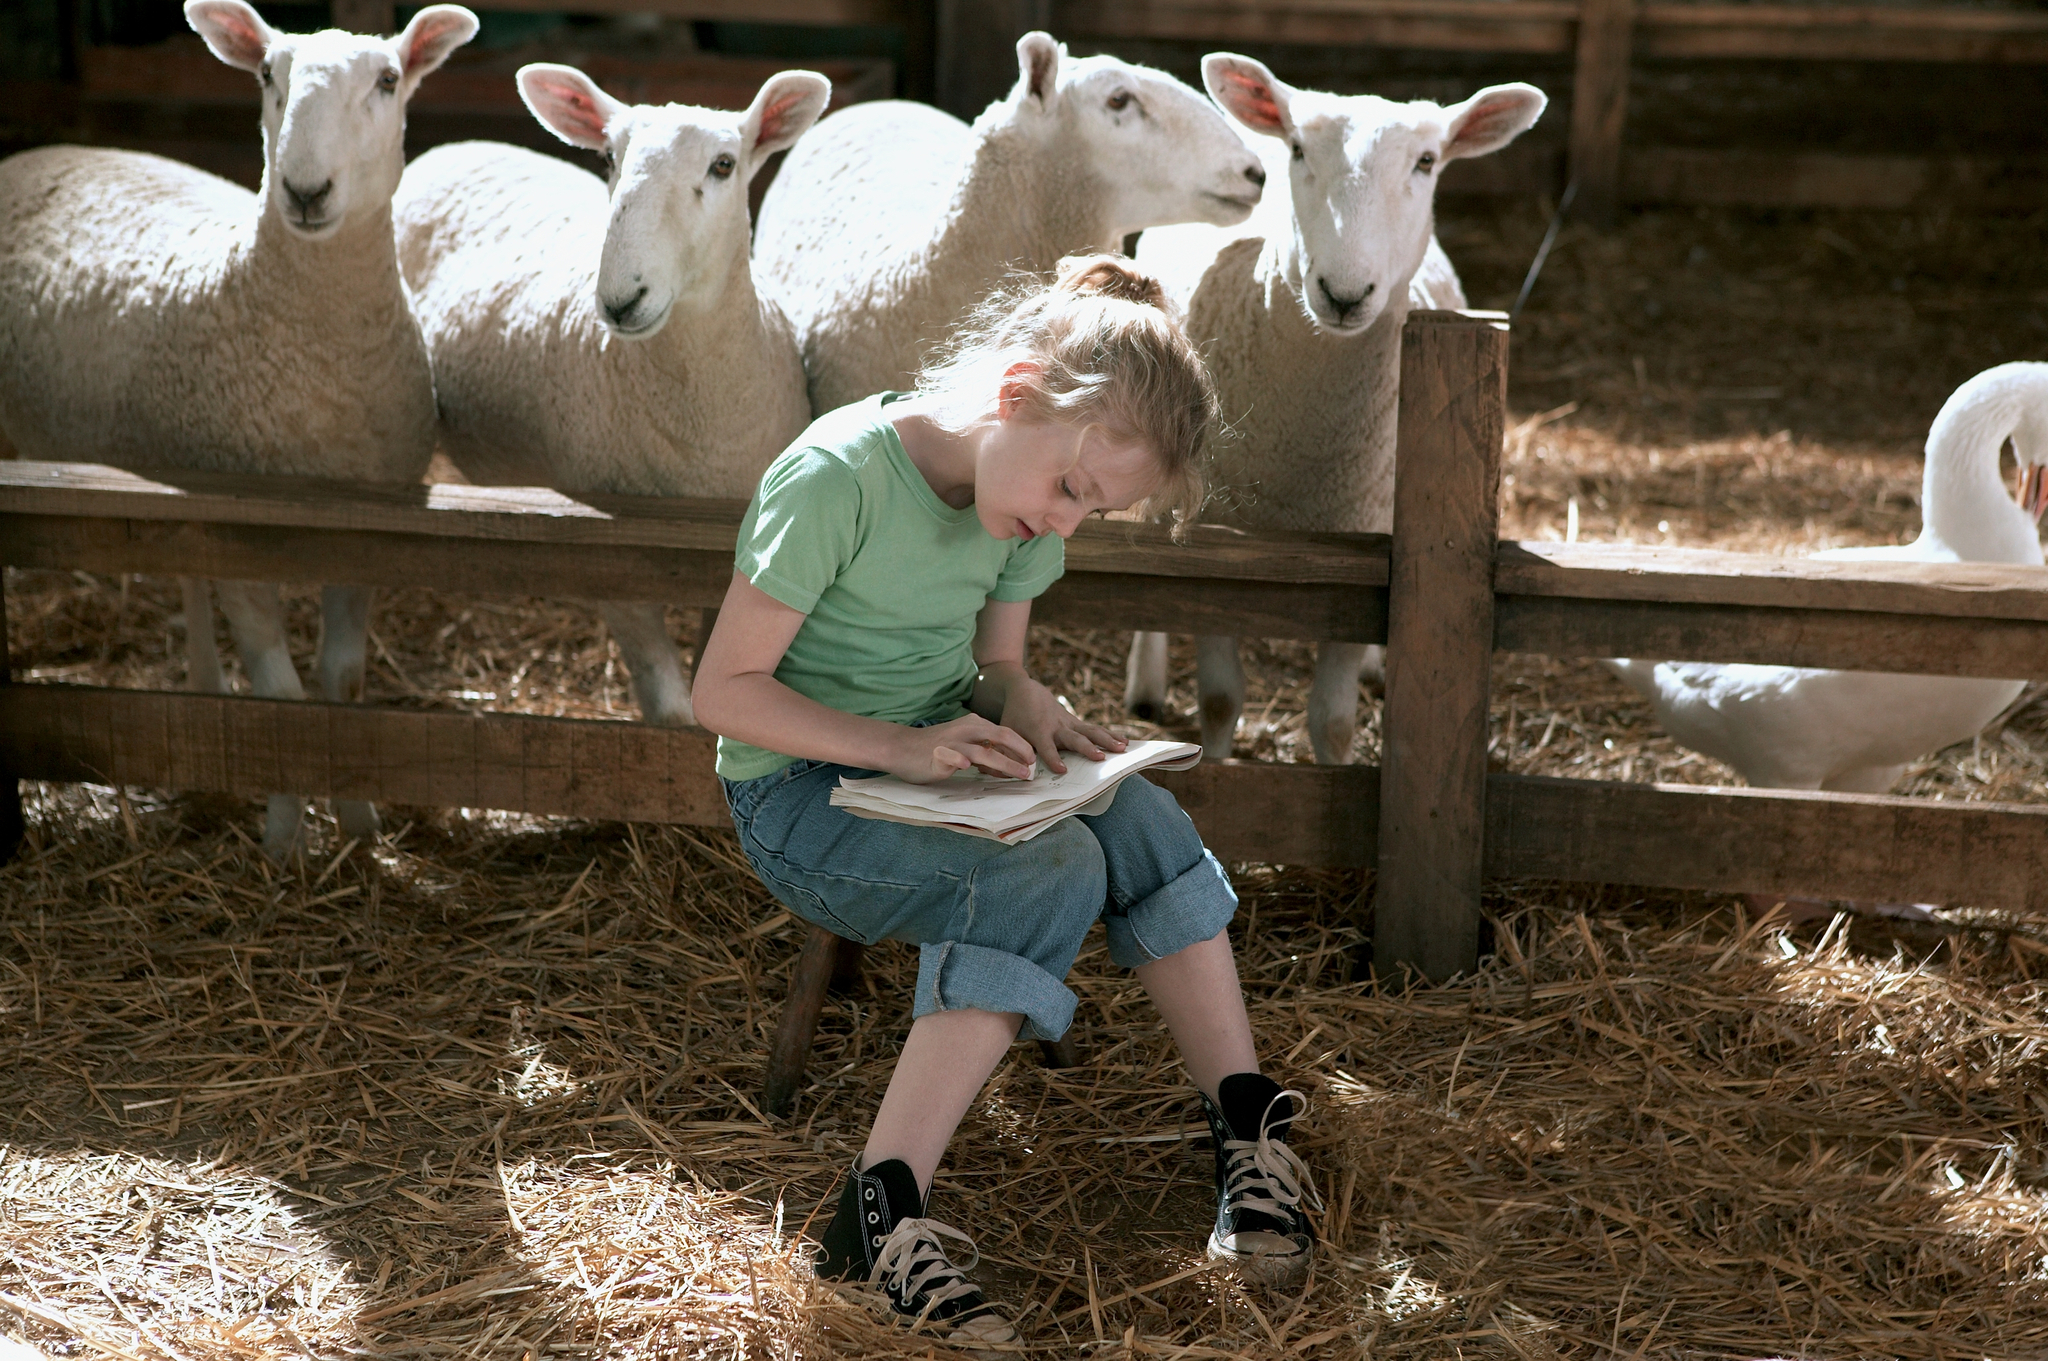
(831, 962)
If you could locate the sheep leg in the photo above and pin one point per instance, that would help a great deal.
(1333, 701)
(1219, 681)
(344, 650)
(256, 619)
(1145, 677)
(652, 661)
(202, 654)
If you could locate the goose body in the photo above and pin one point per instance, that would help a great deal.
(1790, 727)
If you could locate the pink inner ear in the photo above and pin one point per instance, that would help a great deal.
(424, 41)
(773, 115)
(1252, 101)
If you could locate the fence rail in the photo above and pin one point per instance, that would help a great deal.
(1434, 820)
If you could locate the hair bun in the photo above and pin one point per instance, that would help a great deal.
(1110, 276)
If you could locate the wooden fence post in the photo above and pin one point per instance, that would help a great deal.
(1440, 642)
(12, 827)
(1600, 104)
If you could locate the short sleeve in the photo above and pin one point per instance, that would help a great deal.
(802, 529)
(1031, 568)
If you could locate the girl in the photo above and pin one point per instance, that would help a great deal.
(876, 622)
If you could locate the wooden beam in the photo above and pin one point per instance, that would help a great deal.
(1842, 639)
(1857, 846)
(537, 515)
(1311, 815)
(1440, 642)
(828, 13)
(1454, 25)
(1600, 104)
(1774, 179)
(1843, 33)
(1705, 576)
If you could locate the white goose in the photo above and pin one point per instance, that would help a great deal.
(1788, 727)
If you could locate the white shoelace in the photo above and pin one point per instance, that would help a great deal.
(1265, 1175)
(911, 1262)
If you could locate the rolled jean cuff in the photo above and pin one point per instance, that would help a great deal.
(955, 976)
(1185, 912)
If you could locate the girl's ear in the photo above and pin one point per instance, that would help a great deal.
(568, 103)
(1038, 67)
(233, 31)
(1243, 88)
(1018, 381)
(1491, 119)
(782, 112)
(433, 33)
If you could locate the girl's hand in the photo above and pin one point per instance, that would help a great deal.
(971, 742)
(1035, 712)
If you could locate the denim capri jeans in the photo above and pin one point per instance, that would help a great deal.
(997, 927)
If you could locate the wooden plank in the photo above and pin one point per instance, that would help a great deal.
(1842, 639)
(1704, 576)
(825, 13)
(536, 515)
(1246, 609)
(1453, 25)
(1856, 846)
(1773, 179)
(1843, 32)
(12, 826)
(1282, 814)
(1440, 642)
(1600, 104)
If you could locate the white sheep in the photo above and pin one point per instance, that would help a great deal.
(153, 315)
(609, 339)
(893, 220)
(1300, 314)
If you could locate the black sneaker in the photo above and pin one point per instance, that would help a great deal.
(880, 1236)
(1260, 1225)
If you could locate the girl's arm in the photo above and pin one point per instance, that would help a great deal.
(736, 695)
(1003, 692)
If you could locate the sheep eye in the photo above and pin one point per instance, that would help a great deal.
(1298, 152)
(1424, 165)
(388, 82)
(265, 73)
(723, 167)
(1120, 101)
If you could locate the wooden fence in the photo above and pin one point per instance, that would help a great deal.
(1444, 593)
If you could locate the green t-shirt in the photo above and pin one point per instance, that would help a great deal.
(846, 529)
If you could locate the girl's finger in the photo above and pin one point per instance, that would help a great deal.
(1101, 736)
(1049, 752)
(997, 760)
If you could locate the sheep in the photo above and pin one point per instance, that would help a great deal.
(598, 338)
(154, 315)
(893, 220)
(1300, 315)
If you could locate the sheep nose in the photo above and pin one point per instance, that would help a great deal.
(1257, 175)
(1344, 307)
(308, 201)
(619, 311)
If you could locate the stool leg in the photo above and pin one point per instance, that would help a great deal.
(1062, 1052)
(846, 965)
(799, 1020)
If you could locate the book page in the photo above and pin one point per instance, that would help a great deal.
(989, 799)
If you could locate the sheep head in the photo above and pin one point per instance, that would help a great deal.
(1362, 176)
(678, 176)
(333, 105)
(1156, 149)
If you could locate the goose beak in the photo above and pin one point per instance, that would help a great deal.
(2033, 495)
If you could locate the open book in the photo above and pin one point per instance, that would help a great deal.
(1009, 810)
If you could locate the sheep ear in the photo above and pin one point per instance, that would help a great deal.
(784, 111)
(568, 103)
(234, 31)
(1491, 119)
(1038, 67)
(433, 33)
(1248, 92)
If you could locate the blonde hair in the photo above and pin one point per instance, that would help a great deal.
(1101, 345)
